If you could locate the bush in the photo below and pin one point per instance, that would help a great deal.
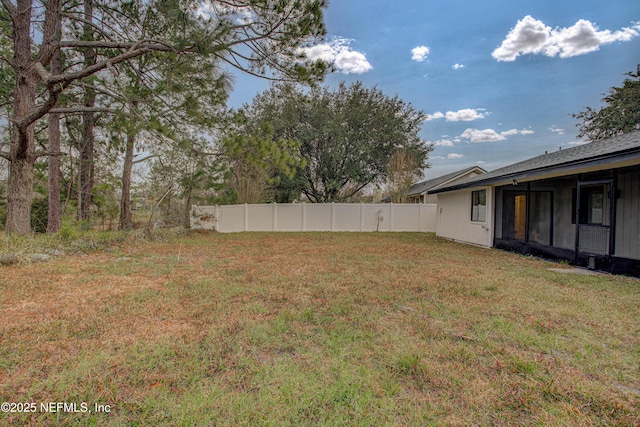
(39, 215)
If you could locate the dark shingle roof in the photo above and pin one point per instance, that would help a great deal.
(423, 186)
(604, 150)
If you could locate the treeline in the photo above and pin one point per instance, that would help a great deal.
(92, 88)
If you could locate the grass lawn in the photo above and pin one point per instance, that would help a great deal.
(316, 329)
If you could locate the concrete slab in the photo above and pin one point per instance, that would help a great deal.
(573, 270)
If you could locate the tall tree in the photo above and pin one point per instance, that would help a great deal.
(257, 161)
(86, 169)
(262, 37)
(54, 219)
(347, 135)
(403, 170)
(620, 115)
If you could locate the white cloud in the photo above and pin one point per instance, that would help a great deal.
(578, 142)
(557, 130)
(443, 143)
(454, 156)
(464, 115)
(480, 162)
(531, 36)
(339, 53)
(419, 53)
(490, 135)
(241, 15)
(434, 116)
(457, 66)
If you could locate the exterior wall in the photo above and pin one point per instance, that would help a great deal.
(454, 217)
(315, 217)
(628, 216)
(564, 232)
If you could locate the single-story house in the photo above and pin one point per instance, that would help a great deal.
(580, 204)
(421, 192)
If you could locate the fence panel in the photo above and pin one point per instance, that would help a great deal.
(315, 217)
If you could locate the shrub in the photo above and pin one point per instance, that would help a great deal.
(39, 215)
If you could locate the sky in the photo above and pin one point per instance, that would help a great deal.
(499, 79)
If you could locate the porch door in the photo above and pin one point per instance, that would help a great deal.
(527, 216)
(514, 215)
(593, 217)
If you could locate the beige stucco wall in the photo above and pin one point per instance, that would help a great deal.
(454, 218)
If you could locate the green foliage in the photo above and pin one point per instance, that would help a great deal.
(620, 115)
(39, 215)
(258, 161)
(346, 136)
(107, 203)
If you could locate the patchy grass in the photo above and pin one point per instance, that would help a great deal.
(317, 329)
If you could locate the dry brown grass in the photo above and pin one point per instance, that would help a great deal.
(318, 329)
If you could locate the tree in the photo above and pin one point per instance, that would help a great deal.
(262, 37)
(620, 115)
(257, 161)
(189, 169)
(347, 136)
(403, 170)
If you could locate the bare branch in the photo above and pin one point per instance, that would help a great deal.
(144, 159)
(96, 28)
(205, 153)
(79, 110)
(49, 154)
(155, 45)
(42, 72)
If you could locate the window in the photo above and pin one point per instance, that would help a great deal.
(479, 205)
(592, 205)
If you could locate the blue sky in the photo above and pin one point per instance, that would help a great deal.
(498, 78)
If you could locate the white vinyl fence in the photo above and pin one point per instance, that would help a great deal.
(315, 217)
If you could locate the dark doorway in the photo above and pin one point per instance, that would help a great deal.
(514, 215)
(593, 217)
(527, 216)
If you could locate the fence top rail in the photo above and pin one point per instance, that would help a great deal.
(318, 204)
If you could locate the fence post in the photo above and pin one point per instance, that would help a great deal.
(391, 207)
(304, 216)
(419, 216)
(246, 217)
(361, 217)
(333, 216)
(274, 222)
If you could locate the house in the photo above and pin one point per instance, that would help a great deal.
(421, 192)
(580, 204)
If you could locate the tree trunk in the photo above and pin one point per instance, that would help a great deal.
(125, 200)
(54, 220)
(22, 153)
(86, 170)
(19, 196)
